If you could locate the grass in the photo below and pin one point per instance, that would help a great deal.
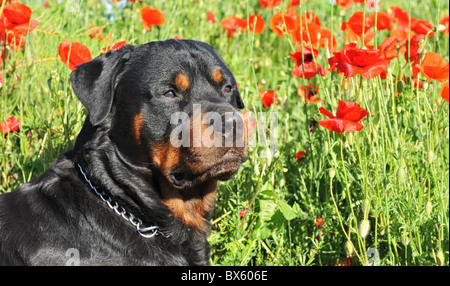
(393, 175)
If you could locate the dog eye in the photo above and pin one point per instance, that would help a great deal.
(227, 89)
(170, 94)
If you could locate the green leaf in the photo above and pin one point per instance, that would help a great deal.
(287, 211)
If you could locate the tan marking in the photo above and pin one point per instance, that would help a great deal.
(193, 210)
(137, 124)
(182, 82)
(217, 76)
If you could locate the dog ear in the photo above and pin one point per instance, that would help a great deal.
(94, 82)
(239, 102)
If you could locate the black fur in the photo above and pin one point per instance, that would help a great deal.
(42, 220)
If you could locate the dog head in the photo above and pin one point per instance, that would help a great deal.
(171, 106)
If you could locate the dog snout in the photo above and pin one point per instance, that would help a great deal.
(228, 124)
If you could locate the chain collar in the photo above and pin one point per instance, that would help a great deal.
(146, 232)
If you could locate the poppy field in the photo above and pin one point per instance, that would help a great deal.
(346, 103)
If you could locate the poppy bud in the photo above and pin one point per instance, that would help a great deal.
(400, 86)
(440, 258)
(364, 228)
(326, 148)
(428, 208)
(366, 207)
(402, 175)
(349, 248)
(332, 173)
(405, 238)
(430, 156)
(441, 28)
(425, 85)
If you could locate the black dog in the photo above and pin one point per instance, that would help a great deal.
(126, 195)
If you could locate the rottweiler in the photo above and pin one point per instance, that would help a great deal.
(133, 191)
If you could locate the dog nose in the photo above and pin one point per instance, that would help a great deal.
(230, 122)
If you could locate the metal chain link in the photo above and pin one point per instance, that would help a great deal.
(146, 232)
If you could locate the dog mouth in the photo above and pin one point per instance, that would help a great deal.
(182, 177)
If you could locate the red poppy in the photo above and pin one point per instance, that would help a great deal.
(326, 39)
(256, 24)
(15, 24)
(285, 23)
(300, 155)
(319, 222)
(358, 22)
(310, 94)
(11, 124)
(346, 4)
(267, 98)
(384, 20)
(116, 46)
(79, 53)
(351, 61)
(444, 22)
(347, 119)
(434, 67)
(17, 13)
(151, 17)
(389, 48)
(233, 24)
(211, 17)
(18, 19)
(306, 67)
(270, 4)
(443, 91)
(95, 33)
(421, 27)
(242, 213)
(413, 51)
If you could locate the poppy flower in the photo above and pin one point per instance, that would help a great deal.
(358, 22)
(300, 155)
(242, 213)
(79, 53)
(351, 61)
(233, 24)
(443, 91)
(319, 222)
(346, 4)
(18, 19)
(151, 17)
(347, 119)
(421, 27)
(256, 24)
(17, 13)
(326, 39)
(444, 22)
(434, 67)
(116, 46)
(11, 124)
(413, 51)
(310, 94)
(384, 20)
(389, 48)
(211, 17)
(267, 98)
(270, 4)
(95, 33)
(306, 67)
(285, 23)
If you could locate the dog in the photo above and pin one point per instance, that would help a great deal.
(131, 192)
